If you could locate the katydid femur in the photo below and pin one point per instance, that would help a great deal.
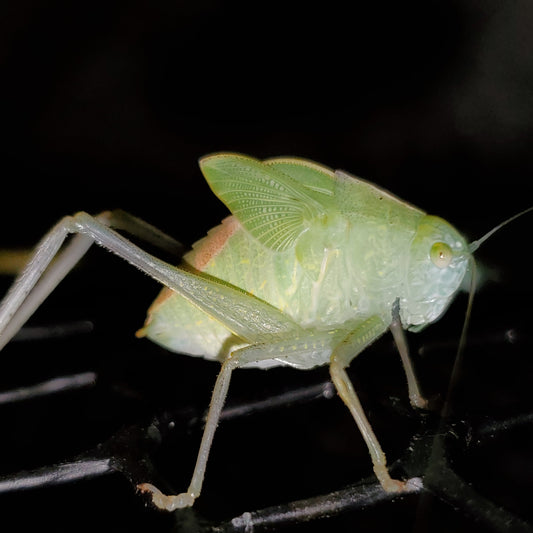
(311, 268)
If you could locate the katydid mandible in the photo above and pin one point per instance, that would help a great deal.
(311, 267)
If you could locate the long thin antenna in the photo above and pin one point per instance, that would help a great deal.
(454, 377)
(474, 245)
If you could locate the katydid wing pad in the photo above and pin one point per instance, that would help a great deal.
(273, 207)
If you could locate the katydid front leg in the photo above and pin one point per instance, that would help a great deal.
(415, 396)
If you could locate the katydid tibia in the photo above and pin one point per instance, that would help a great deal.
(311, 267)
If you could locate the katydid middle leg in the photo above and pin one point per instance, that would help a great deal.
(341, 358)
(282, 348)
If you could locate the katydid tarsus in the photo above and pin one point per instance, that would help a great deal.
(311, 267)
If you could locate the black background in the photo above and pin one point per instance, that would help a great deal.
(110, 104)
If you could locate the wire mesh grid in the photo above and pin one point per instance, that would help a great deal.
(88, 411)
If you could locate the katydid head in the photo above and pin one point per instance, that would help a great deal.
(439, 258)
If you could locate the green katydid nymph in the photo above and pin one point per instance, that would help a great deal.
(311, 267)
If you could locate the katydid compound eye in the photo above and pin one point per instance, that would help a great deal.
(441, 254)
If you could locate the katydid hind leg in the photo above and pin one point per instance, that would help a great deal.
(122, 220)
(341, 358)
(41, 276)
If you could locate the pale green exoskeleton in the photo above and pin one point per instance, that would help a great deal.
(311, 268)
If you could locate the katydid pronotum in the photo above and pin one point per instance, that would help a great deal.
(311, 267)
